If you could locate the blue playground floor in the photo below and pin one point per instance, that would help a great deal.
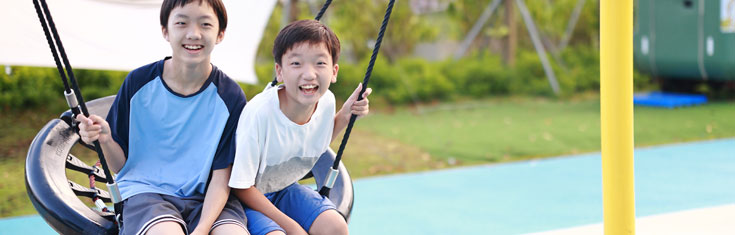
(524, 197)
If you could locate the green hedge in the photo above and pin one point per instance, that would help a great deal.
(31, 87)
(411, 80)
(404, 81)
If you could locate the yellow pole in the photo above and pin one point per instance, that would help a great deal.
(616, 101)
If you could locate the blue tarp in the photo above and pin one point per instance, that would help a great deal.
(668, 100)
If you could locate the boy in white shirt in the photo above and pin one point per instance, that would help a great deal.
(283, 131)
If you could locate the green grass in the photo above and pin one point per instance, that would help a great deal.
(419, 138)
(658, 126)
(17, 129)
(13, 200)
(512, 129)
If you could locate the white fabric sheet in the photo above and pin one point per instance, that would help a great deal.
(124, 34)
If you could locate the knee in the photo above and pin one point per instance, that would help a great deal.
(340, 228)
(329, 222)
(228, 229)
(335, 227)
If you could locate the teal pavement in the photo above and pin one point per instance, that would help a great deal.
(524, 197)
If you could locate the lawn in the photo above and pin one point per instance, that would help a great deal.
(418, 138)
(500, 130)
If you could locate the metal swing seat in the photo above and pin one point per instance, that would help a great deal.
(57, 198)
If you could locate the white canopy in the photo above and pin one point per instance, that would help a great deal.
(124, 34)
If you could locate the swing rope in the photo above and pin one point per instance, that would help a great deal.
(324, 191)
(75, 102)
(324, 8)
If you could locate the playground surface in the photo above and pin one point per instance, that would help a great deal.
(679, 189)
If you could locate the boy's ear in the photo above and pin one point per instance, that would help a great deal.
(335, 69)
(220, 36)
(164, 31)
(279, 73)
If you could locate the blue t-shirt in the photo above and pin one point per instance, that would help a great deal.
(172, 142)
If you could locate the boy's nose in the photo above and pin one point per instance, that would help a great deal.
(310, 73)
(193, 34)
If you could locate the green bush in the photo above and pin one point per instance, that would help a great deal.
(583, 70)
(528, 77)
(479, 76)
(99, 83)
(425, 80)
(411, 80)
(30, 87)
(403, 81)
(348, 77)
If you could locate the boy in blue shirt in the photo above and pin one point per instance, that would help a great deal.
(283, 131)
(169, 134)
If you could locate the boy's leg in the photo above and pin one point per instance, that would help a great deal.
(229, 229)
(231, 219)
(316, 214)
(167, 227)
(259, 224)
(329, 222)
(147, 213)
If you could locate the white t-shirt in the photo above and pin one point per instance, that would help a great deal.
(274, 152)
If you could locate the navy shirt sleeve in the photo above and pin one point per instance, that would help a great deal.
(235, 100)
(118, 116)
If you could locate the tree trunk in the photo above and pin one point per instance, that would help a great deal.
(293, 15)
(509, 45)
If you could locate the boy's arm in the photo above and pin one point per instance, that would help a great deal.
(254, 199)
(351, 106)
(96, 128)
(214, 200)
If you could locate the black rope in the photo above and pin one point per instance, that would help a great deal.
(67, 65)
(324, 191)
(47, 23)
(324, 8)
(318, 17)
(51, 46)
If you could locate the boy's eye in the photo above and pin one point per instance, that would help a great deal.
(179, 23)
(295, 63)
(207, 25)
(321, 63)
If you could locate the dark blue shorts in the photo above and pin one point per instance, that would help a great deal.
(142, 211)
(299, 202)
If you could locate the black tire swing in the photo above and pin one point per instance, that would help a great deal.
(57, 198)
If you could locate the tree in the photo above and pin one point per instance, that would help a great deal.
(357, 24)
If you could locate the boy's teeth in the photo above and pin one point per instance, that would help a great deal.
(191, 47)
(309, 89)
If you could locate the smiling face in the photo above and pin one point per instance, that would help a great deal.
(306, 71)
(193, 30)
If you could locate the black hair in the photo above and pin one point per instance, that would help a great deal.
(311, 31)
(219, 9)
